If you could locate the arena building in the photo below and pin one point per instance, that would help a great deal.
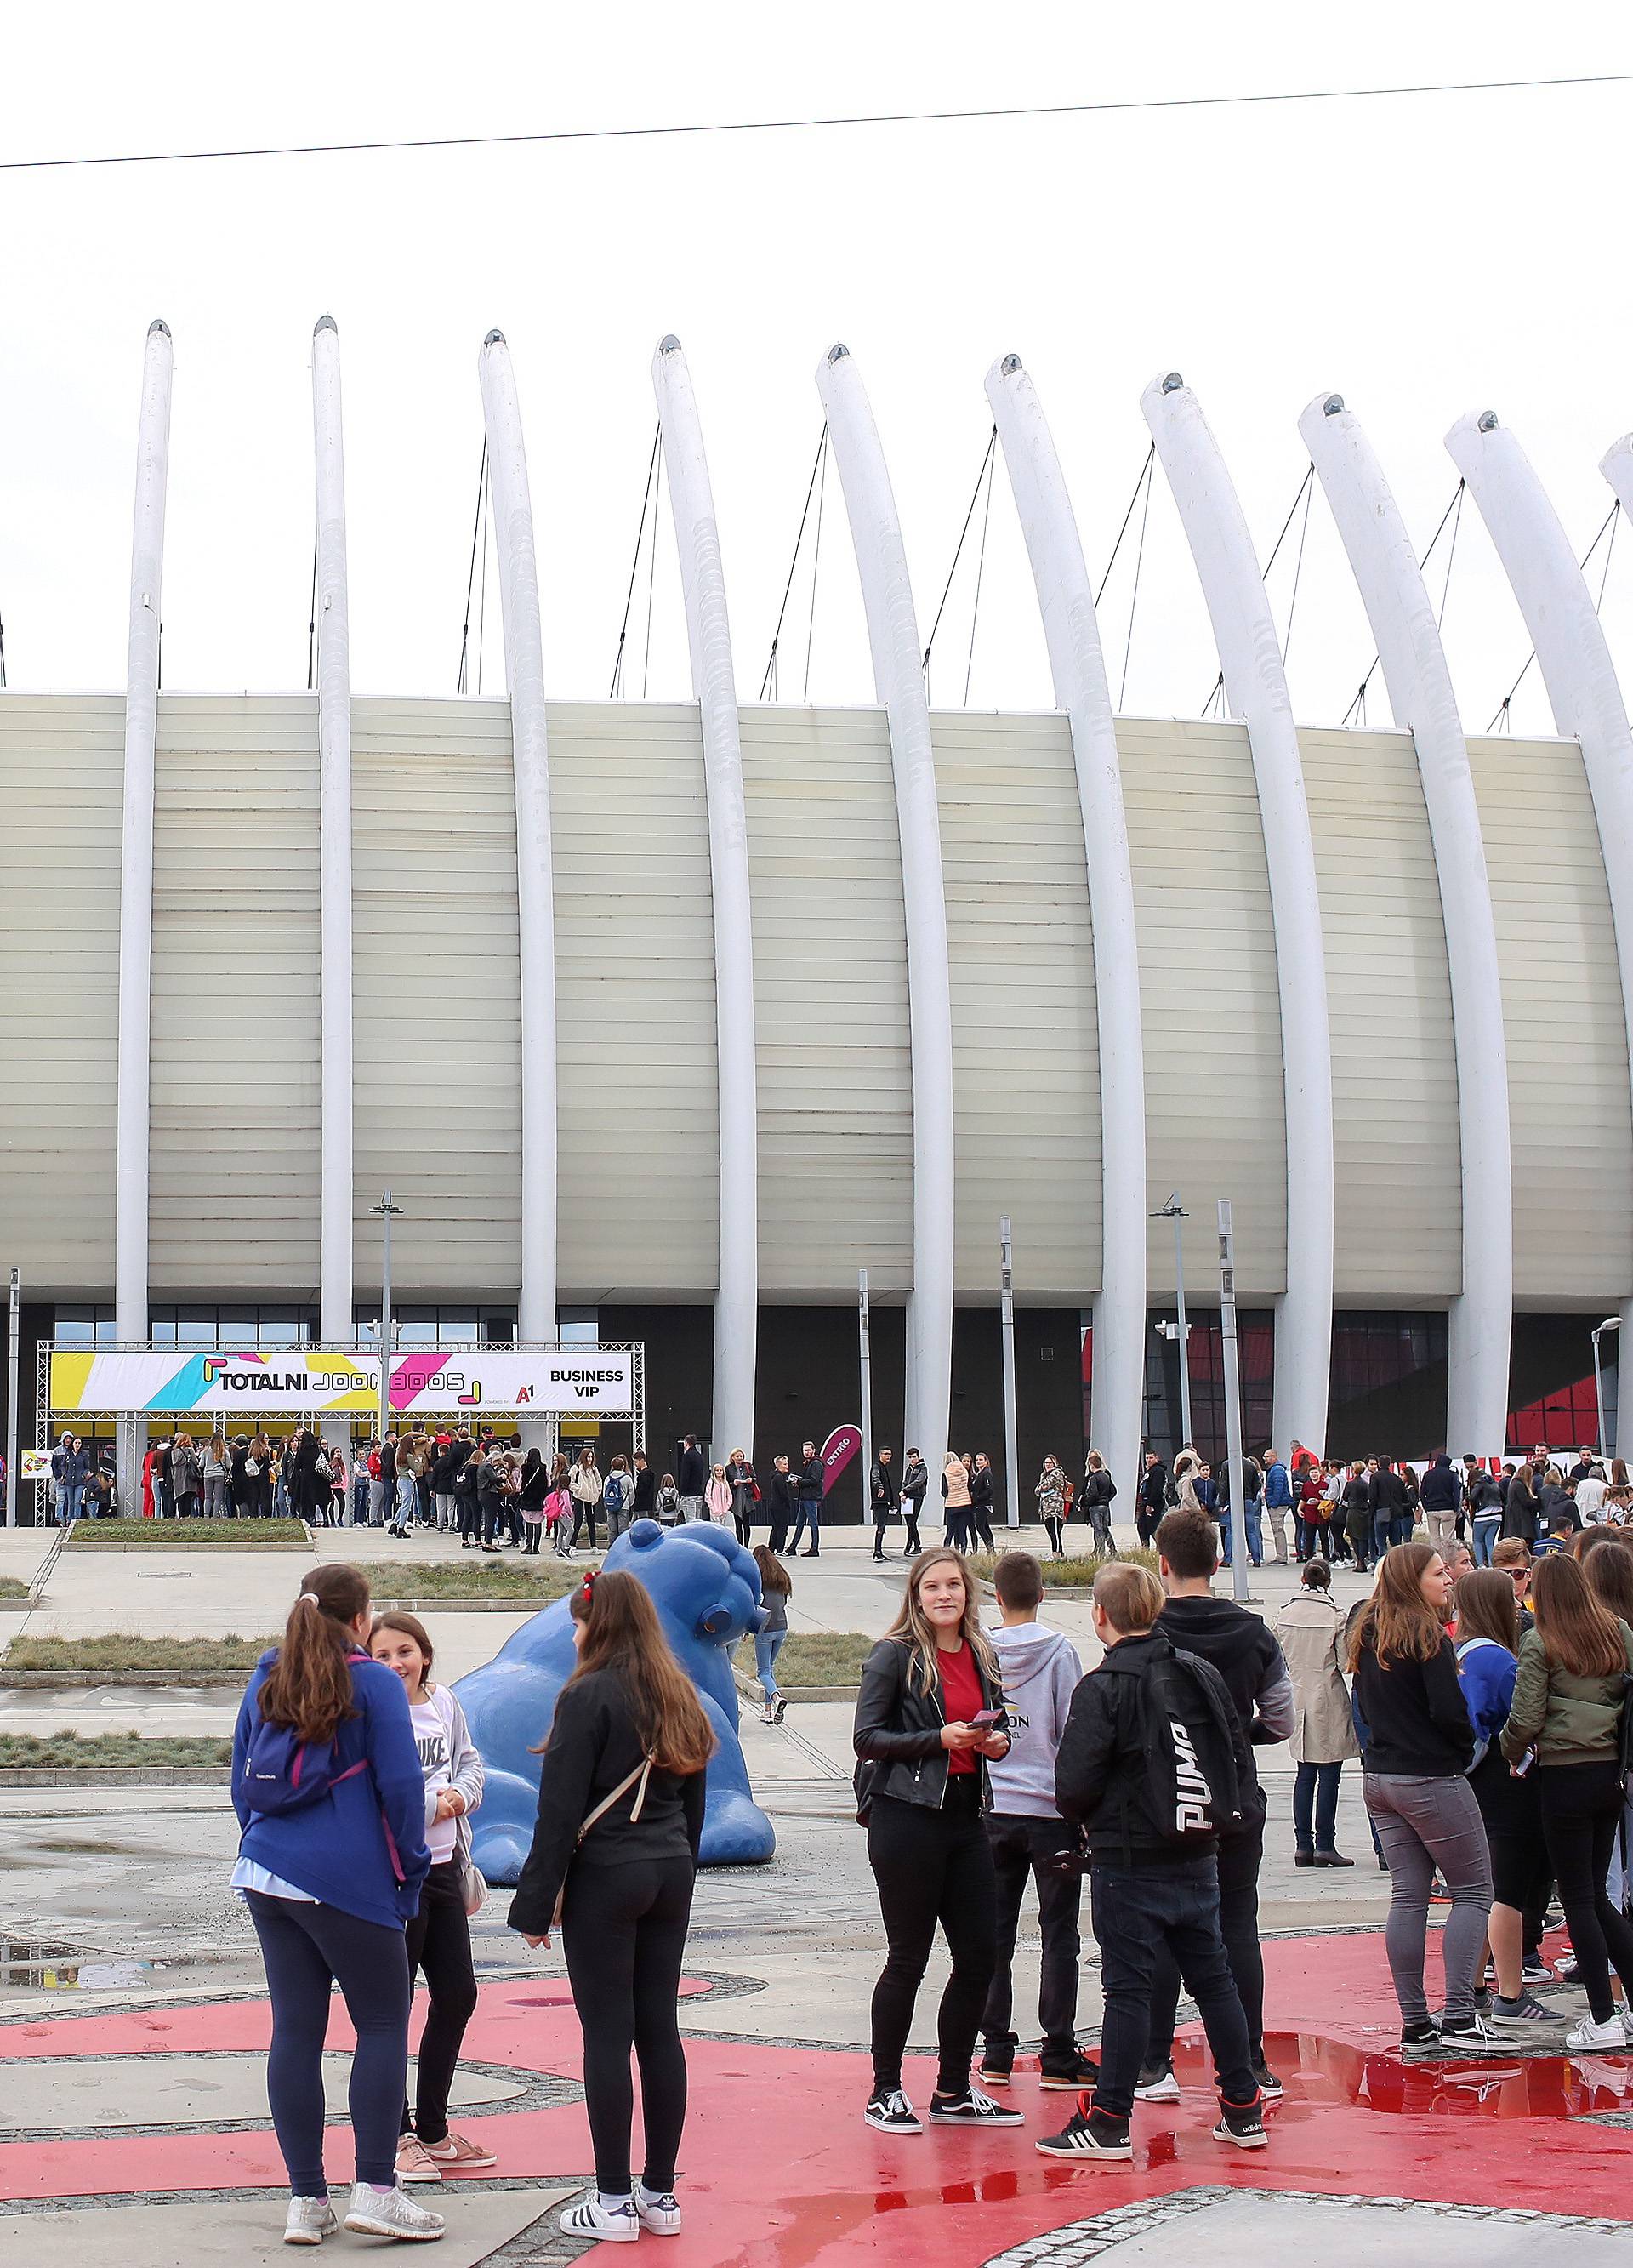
(662, 1021)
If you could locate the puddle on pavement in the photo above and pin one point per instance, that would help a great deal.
(1316, 2071)
(90, 1850)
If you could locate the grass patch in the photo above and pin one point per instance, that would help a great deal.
(1075, 1573)
(474, 1576)
(125, 1650)
(106, 1751)
(186, 1535)
(11, 1588)
(814, 1657)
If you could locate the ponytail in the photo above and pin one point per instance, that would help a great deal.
(308, 1687)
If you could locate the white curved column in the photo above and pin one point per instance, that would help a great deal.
(899, 681)
(336, 1323)
(714, 686)
(1572, 653)
(1386, 573)
(523, 670)
(1066, 602)
(136, 871)
(1255, 690)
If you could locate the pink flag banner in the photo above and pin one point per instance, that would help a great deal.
(841, 1444)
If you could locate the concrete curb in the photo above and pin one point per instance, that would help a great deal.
(115, 1776)
(463, 1606)
(749, 1687)
(85, 1680)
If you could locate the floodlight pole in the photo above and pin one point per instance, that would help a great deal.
(387, 1211)
(1232, 1404)
(864, 1352)
(12, 1345)
(1610, 1323)
(1006, 1311)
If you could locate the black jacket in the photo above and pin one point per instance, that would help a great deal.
(1439, 1489)
(980, 1490)
(1154, 1488)
(645, 1493)
(1100, 1769)
(1253, 1480)
(784, 1495)
(691, 1472)
(915, 1480)
(1098, 1488)
(898, 1729)
(882, 1487)
(445, 1469)
(1358, 1498)
(594, 1744)
(1483, 1496)
(1416, 1716)
(1241, 1648)
(1387, 1494)
(811, 1476)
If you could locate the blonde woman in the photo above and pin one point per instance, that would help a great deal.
(930, 1714)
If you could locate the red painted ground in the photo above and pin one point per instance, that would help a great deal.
(779, 2171)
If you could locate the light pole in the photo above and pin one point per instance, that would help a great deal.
(387, 1212)
(865, 1355)
(1232, 1404)
(12, 1345)
(1610, 1323)
(1006, 1316)
(1175, 1211)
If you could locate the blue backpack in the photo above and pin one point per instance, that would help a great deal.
(282, 1773)
(613, 1494)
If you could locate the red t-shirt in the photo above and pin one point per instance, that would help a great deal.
(961, 1697)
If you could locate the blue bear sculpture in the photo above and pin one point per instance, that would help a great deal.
(706, 1589)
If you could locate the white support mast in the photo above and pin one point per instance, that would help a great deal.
(336, 1326)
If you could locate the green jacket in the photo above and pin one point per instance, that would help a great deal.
(1569, 1719)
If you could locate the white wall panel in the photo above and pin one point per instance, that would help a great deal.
(233, 1098)
(1025, 1060)
(1567, 1035)
(830, 1002)
(1215, 1124)
(60, 758)
(637, 1093)
(436, 995)
(1398, 1213)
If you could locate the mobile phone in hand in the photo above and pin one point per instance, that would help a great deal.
(986, 1716)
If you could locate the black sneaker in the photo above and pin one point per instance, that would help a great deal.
(972, 2108)
(1240, 2123)
(997, 2066)
(1269, 2086)
(1082, 2071)
(1468, 2033)
(892, 2113)
(1097, 2136)
(1534, 1971)
(1426, 2035)
(1157, 2084)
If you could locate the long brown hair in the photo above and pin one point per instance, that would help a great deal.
(1579, 1633)
(622, 1632)
(1487, 1608)
(407, 1625)
(773, 1574)
(1397, 1623)
(1607, 1563)
(308, 1687)
(915, 1625)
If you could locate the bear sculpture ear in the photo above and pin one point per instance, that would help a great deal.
(717, 1619)
(644, 1534)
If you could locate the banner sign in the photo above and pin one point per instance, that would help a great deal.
(841, 1444)
(35, 1464)
(597, 1381)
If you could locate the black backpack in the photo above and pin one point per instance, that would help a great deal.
(1190, 1792)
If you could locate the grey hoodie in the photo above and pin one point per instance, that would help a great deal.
(1039, 1670)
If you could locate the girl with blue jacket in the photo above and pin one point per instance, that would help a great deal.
(1488, 1641)
(330, 1879)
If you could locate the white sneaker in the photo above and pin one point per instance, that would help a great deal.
(310, 2221)
(660, 2216)
(1158, 2084)
(1589, 2036)
(589, 2218)
(392, 2213)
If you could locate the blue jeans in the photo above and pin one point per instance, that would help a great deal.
(1134, 1911)
(810, 1515)
(1255, 1539)
(1484, 1538)
(68, 1498)
(768, 1646)
(1315, 1807)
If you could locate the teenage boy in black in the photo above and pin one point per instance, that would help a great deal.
(1146, 1888)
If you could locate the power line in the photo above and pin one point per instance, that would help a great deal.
(805, 125)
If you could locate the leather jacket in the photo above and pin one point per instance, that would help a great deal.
(897, 1735)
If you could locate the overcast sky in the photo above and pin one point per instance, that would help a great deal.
(1424, 256)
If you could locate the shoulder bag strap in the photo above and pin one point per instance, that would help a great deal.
(642, 1772)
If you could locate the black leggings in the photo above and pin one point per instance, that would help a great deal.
(305, 1949)
(438, 1941)
(624, 1928)
(910, 1515)
(1581, 1810)
(933, 1866)
(1240, 1857)
(583, 1514)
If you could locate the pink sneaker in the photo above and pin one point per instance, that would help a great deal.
(456, 2153)
(414, 2163)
